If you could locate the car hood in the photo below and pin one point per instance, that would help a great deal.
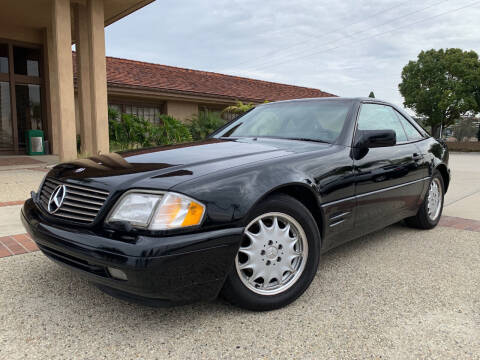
(166, 166)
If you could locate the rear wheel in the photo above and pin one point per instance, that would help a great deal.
(430, 211)
(278, 256)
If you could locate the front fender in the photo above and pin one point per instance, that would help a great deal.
(232, 193)
(230, 197)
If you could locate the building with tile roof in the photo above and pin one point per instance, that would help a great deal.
(147, 89)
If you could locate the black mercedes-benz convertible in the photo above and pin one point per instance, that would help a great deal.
(245, 213)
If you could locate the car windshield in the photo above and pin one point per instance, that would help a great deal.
(320, 121)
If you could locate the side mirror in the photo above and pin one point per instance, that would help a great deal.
(375, 138)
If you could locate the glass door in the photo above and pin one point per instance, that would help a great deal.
(21, 98)
(6, 125)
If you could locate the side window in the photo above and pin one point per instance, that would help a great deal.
(412, 132)
(380, 117)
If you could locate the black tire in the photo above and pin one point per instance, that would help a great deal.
(422, 220)
(237, 293)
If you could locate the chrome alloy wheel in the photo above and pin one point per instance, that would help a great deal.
(434, 200)
(273, 254)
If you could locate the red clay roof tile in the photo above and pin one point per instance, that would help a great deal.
(137, 74)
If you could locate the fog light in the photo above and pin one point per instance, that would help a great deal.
(117, 274)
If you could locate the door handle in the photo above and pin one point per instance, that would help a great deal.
(417, 157)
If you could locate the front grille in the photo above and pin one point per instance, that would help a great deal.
(81, 203)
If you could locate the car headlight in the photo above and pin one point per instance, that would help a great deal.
(157, 211)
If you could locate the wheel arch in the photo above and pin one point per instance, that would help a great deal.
(303, 193)
(442, 169)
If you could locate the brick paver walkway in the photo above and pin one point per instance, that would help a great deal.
(10, 203)
(16, 245)
(19, 160)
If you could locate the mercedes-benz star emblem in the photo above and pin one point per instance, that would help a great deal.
(56, 199)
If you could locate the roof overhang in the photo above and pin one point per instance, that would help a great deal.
(37, 14)
(118, 9)
(115, 89)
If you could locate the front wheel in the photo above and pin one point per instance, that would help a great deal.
(430, 211)
(278, 257)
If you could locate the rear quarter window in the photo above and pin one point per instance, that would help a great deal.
(410, 130)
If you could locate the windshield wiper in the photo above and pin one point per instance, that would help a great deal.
(307, 139)
(274, 137)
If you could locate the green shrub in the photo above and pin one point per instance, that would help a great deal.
(131, 132)
(171, 131)
(205, 123)
(464, 146)
(239, 108)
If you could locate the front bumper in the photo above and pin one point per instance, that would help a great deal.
(176, 269)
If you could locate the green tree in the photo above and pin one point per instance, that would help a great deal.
(442, 85)
(371, 95)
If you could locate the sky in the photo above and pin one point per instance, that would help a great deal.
(347, 48)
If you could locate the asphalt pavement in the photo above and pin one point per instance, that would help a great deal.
(399, 293)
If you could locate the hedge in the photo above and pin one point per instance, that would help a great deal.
(466, 146)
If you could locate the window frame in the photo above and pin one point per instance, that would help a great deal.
(344, 131)
(123, 103)
(17, 79)
(422, 136)
(354, 137)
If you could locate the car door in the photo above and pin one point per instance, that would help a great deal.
(388, 180)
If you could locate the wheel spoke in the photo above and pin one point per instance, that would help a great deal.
(263, 227)
(257, 273)
(244, 266)
(267, 279)
(253, 237)
(434, 199)
(275, 226)
(288, 267)
(274, 254)
(295, 255)
(247, 251)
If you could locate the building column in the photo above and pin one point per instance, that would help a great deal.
(92, 75)
(83, 79)
(59, 39)
(52, 99)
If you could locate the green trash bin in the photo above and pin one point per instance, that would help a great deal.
(34, 141)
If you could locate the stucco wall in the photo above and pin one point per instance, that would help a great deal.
(181, 110)
(20, 33)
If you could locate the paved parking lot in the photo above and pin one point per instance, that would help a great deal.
(398, 293)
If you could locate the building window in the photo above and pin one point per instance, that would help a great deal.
(26, 61)
(29, 109)
(219, 109)
(150, 112)
(6, 135)
(3, 58)
(21, 94)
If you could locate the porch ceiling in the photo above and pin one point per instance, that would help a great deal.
(36, 14)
